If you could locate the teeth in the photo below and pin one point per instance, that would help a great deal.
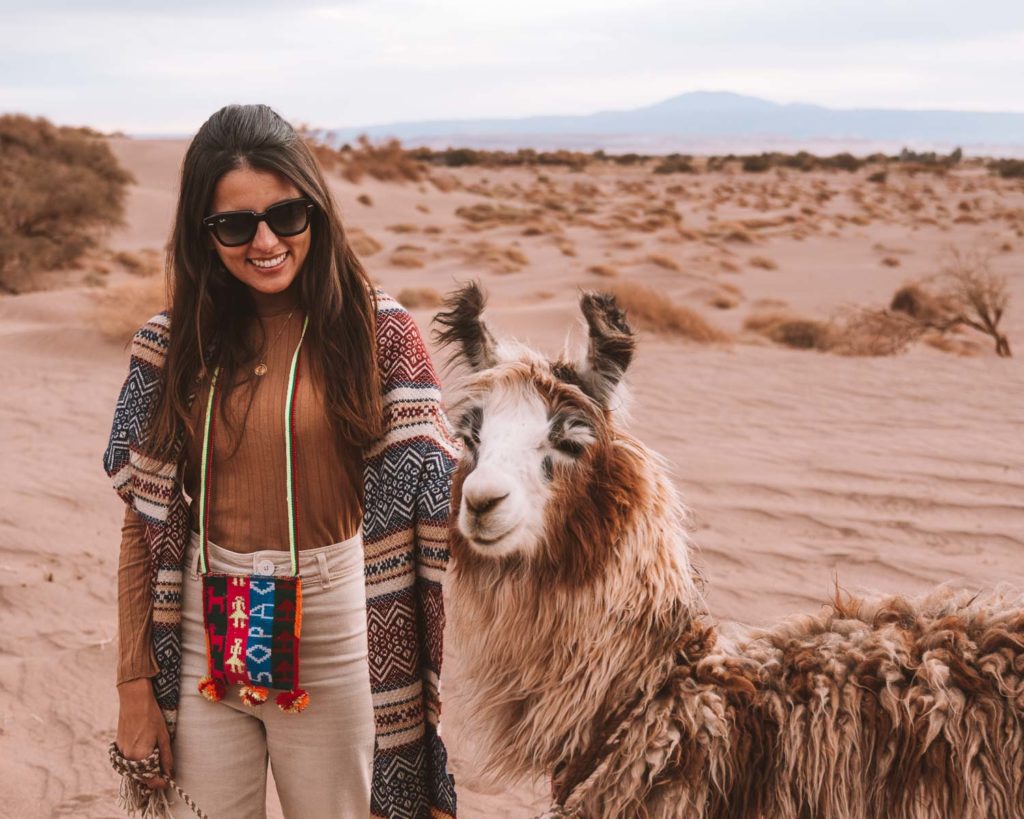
(269, 262)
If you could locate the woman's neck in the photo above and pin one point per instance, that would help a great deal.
(268, 304)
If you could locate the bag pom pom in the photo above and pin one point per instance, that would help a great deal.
(253, 694)
(212, 689)
(293, 702)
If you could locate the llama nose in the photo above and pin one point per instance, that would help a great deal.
(480, 506)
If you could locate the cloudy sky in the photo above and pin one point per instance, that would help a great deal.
(148, 67)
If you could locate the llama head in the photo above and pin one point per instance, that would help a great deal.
(542, 465)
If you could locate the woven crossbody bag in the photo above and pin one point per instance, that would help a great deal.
(253, 622)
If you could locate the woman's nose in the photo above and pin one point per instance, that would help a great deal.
(265, 239)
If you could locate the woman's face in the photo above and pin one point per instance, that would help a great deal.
(269, 263)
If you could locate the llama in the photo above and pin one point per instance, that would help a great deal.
(591, 660)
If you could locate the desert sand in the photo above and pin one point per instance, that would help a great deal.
(803, 469)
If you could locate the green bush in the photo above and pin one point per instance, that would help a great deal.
(59, 187)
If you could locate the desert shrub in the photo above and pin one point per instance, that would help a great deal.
(878, 177)
(675, 163)
(386, 161)
(764, 263)
(654, 311)
(407, 256)
(664, 262)
(801, 161)
(1008, 168)
(790, 330)
(485, 215)
(980, 294)
(873, 332)
(419, 297)
(757, 164)
(59, 187)
(144, 263)
(118, 312)
(604, 270)
(804, 334)
(842, 162)
(914, 300)
(362, 242)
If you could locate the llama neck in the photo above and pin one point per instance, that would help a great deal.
(550, 664)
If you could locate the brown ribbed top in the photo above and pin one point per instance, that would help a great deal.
(248, 509)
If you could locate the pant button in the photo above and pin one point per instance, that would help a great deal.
(265, 567)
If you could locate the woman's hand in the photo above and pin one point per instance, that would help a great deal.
(141, 727)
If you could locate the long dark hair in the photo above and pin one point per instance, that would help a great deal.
(211, 309)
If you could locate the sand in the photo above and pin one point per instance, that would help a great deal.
(802, 469)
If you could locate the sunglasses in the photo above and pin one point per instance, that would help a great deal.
(238, 227)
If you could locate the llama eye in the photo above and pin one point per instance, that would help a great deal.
(469, 427)
(567, 446)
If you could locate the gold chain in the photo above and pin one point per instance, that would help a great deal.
(261, 367)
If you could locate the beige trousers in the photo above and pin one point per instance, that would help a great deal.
(322, 759)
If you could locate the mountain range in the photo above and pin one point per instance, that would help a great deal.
(712, 117)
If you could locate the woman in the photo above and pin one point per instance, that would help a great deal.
(321, 452)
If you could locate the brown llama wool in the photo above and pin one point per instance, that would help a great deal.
(591, 660)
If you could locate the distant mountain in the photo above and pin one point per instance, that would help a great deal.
(704, 116)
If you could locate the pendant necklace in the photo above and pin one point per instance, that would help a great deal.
(261, 367)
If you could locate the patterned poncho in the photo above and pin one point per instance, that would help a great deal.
(407, 482)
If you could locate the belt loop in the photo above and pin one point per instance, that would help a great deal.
(325, 577)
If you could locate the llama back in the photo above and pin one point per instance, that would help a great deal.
(885, 709)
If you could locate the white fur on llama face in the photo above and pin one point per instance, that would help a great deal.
(516, 449)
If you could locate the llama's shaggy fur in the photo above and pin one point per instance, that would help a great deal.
(591, 660)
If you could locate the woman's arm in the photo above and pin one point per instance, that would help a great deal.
(140, 724)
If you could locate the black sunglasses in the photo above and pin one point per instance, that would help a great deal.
(238, 227)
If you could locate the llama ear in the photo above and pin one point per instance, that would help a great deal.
(611, 345)
(461, 324)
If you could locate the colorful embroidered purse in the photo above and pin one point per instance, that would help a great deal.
(252, 624)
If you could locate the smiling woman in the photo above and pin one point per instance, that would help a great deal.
(277, 504)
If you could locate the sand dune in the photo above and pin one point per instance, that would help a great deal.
(802, 469)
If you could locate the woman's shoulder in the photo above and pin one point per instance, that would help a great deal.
(388, 304)
(151, 339)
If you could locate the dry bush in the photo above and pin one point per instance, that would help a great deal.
(388, 162)
(362, 243)
(891, 261)
(980, 294)
(654, 311)
(445, 182)
(501, 259)
(566, 247)
(872, 332)
(664, 262)
(404, 227)
(484, 215)
(409, 256)
(791, 330)
(764, 263)
(413, 297)
(936, 311)
(59, 187)
(144, 263)
(604, 270)
(120, 311)
(364, 199)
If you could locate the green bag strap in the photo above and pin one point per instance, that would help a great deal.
(289, 451)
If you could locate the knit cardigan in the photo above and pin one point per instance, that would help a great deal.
(407, 484)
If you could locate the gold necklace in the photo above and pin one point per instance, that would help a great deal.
(261, 367)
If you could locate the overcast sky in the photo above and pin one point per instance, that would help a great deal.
(147, 67)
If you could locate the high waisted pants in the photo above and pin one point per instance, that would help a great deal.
(321, 758)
